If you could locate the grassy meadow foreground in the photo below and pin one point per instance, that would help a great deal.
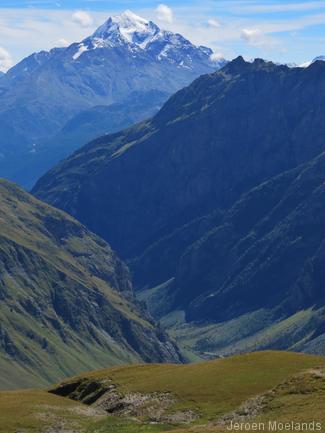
(196, 398)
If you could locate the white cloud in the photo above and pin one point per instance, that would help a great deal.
(164, 13)
(24, 31)
(5, 60)
(214, 23)
(82, 18)
(252, 36)
(217, 56)
(279, 7)
(257, 38)
(61, 43)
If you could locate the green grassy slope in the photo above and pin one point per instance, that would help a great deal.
(213, 387)
(257, 330)
(66, 300)
(32, 411)
(299, 400)
(292, 386)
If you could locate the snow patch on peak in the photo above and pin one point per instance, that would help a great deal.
(128, 28)
(130, 19)
(316, 59)
(81, 49)
(305, 65)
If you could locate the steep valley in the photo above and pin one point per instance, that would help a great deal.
(218, 213)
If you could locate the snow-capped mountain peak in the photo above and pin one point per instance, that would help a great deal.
(128, 28)
(138, 36)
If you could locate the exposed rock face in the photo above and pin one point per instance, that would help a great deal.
(67, 303)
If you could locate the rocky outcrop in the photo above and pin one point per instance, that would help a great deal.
(104, 395)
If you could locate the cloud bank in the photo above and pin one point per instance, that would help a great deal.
(164, 13)
(5, 60)
(83, 19)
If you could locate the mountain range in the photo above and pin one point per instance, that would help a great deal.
(67, 303)
(216, 205)
(127, 55)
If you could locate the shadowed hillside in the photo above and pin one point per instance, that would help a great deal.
(213, 208)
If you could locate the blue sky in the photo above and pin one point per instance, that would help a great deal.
(280, 30)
